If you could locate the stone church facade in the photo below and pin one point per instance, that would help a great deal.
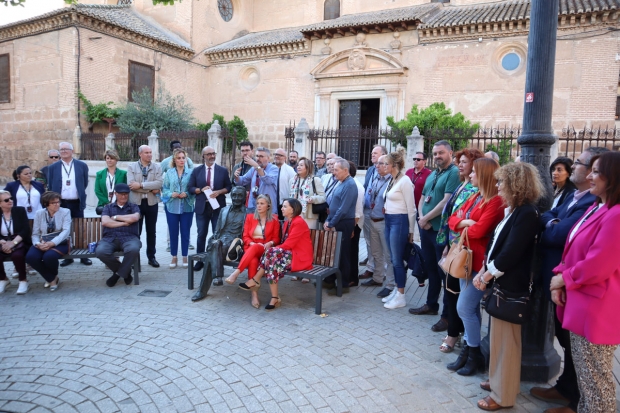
(272, 62)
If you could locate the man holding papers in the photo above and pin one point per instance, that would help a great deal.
(210, 183)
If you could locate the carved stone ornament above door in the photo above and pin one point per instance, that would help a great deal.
(358, 61)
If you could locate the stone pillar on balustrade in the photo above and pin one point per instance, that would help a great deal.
(415, 143)
(154, 145)
(215, 140)
(302, 143)
(109, 142)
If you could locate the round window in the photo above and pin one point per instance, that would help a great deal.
(511, 61)
(226, 9)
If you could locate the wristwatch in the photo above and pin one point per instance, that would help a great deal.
(114, 217)
(258, 168)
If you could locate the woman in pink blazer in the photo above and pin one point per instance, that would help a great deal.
(586, 288)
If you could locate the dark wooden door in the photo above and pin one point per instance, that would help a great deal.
(349, 142)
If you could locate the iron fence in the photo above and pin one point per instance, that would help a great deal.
(229, 148)
(93, 146)
(573, 142)
(127, 144)
(192, 142)
(289, 138)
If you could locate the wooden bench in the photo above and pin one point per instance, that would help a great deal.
(326, 245)
(83, 232)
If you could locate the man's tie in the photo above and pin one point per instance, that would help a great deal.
(209, 177)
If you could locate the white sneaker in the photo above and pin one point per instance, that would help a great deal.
(3, 285)
(389, 297)
(15, 275)
(396, 302)
(23, 287)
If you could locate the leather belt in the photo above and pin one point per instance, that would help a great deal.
(377, 219)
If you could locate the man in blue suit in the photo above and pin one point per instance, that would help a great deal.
(204, 177)
(69, 178)
(557, 225)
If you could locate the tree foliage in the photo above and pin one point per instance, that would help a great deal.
(13, 2)
(236, 127)
(165, 113)
(503, 149)
(97, 113)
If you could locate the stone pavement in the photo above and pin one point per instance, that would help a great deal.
(90, 348)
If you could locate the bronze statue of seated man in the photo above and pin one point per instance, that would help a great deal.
(229, 226)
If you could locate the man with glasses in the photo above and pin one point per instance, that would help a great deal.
(145, 181)
(247, 150)
(329, 167)
(119, 220)
(165, 164)
(53, 156)
(69, 178)
(285, 174)
(319, 164)
(418, 175)
(262, 178)
(208, 181)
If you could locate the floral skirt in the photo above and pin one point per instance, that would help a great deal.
(276, 262)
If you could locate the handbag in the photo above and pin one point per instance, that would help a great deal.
(458, 262)
(515, 308)
(99, 210)
(51, 235)
(319, 209)
(415, 262)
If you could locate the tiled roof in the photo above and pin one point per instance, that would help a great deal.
(122, 16)
(510, 11)
(259, 39)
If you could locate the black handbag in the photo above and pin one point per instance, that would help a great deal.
(319, 209)
(515, 308)
(99, 210)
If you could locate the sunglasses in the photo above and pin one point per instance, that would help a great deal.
(8, 200)
(54, 157)
(417, 159)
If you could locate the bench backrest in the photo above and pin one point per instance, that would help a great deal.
(85, 231)
(326, 246)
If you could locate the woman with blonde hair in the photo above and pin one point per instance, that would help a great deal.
(508, 263)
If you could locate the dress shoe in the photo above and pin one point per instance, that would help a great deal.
(384, 293)
(218, 282)
(563, 409)
(424, 310)
(550, 395)
(334, 291)
(371, 283)
(86, 261)
(367, 274)
(441, 325)
(153, 263)
(111, 282)
(128, 279)
(199, 266)
(64, 263)
(364, 262)
(198, 296)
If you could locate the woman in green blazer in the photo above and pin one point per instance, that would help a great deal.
(107, 178)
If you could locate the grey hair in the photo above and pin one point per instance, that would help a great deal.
(65, 143)
(384, 150)
(141, 148)
(344, 164)
(263, 149)
(592, 151)
(51, 151)
(494, 155)
(443, 143)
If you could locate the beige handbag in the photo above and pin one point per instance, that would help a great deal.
(459, 259)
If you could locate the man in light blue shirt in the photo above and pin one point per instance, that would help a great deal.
(165, 164)
(263, 179)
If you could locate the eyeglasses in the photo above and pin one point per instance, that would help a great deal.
(383, 163)
(8, 200)
(210, 154)
(65, 149)
(277, 155)
(54, 157)
(417, 159)
(55, 203)
(578, 162)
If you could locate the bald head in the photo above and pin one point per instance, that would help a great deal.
(208, 155)
(279, 157)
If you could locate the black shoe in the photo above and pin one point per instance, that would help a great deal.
(424, 310)
(218, 282)
(64, 263)
(199, 266)
(371, 283)
(384, 293)
(153, 263)
(198, 296)
(111, 282)
(475, 362)
(128, 279)
(364, 262)
(86, 261)
(441, 325)
(334, 291)
(461, 359)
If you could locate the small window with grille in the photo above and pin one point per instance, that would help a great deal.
(331, 10)
(141, 76)
(5, 79)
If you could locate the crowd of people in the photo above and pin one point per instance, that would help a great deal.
(468, 197)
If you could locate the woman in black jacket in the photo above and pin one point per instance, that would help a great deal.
(14, 240)
(508, 261)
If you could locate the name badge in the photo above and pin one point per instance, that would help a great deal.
(110, 195)
(29, 208)
(372, 206)
(428, 199)
(68, 182)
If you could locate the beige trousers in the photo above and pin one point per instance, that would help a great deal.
(505, 362)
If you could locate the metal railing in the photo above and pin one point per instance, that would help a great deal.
(127, 144)
(192, 142)
(93, 146)
(573, 142)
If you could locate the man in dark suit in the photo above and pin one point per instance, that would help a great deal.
(204, 178)
(69, 178)
(557, 224)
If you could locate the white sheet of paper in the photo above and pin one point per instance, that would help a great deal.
(212, 201)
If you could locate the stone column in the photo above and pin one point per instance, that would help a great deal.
(302, 143)
(215, 140)
(154, 144)
(77, 141)
(415, 143)
(109, 142)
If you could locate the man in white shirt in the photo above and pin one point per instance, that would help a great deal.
(285, 174)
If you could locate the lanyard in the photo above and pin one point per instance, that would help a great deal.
(145, 170)
(417, 176)
(111, 180)
(437, 175)
(331, 185)
(8, 225)
(468, 213)
(51, 222)
(299, 190)
(374, 191)
(70, 169)
(392, 182)
(27, 192)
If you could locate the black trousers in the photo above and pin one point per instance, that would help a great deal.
(354, 275)
(567, 382)
(455, 324)
(73, 205)
(346, 227)
(148, 214)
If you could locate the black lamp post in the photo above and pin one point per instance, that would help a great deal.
(540, 361)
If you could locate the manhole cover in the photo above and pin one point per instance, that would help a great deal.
(154, 293)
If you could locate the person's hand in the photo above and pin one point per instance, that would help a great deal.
(467, 222)
(445, 251)
(460, 213)
(248, 160)
(478, 283)
(309, 201)
(557, 282)
(215, 194)
(175, 195)
(155, 191)
(559, 297)
(182, 195)
(238, 173)
(411, 237)
(7, 246)
(134, 186)
(326, 226)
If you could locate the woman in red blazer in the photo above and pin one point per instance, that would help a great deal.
(586, 288)
(260, 228)
(294, 254)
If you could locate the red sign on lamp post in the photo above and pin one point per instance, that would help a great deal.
(529, 97)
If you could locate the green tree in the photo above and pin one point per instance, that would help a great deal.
(13, 2)
(96, 113)
(437, 122)
(235, 127)
(165, 113)
(503, 149)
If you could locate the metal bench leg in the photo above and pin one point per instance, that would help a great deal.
(319, 295)
(338, 283)
(190, 273)
(136, 271)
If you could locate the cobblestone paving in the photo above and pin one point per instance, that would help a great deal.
(90, 348)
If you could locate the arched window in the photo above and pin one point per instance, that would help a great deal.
(332, 9)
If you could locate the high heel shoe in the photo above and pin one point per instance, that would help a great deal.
(185, 264)
(173, 264)
(256, 303)
(231, 280)
(270, 307)
(246, 287)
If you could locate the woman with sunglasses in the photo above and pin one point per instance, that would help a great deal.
(47, 250)
(25, 191)
(14, 240)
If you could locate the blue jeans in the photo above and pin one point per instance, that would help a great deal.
(179, 223)
(468, 308)
(397, 236)
(46, 262)
(202, 222)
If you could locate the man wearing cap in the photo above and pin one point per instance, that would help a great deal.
(120, 233)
